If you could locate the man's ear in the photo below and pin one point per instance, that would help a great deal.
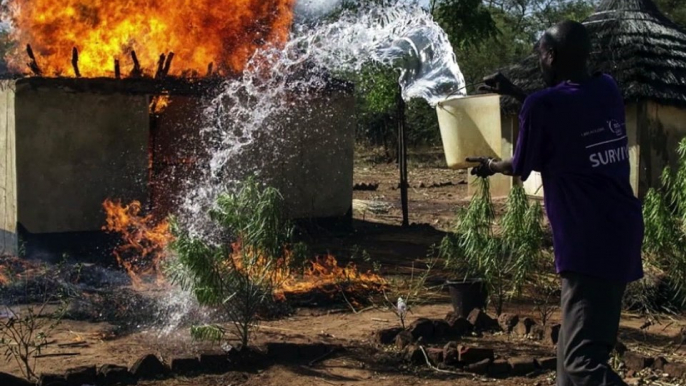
(552, 56)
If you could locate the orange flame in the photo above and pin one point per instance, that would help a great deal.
(144, 239)
(326, 275)
(159, 103)
(4, 276)
(199, 32)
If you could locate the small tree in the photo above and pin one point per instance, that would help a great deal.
(238, 277)
(25, 330)
(505, 260)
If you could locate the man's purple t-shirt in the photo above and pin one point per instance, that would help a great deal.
(575, 135)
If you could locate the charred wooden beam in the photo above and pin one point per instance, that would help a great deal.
(168, 63)
(75, 62)
(210, 69)
(160, 67)
(33, 64)
(117, 69)
(171, 85)
(136, 72)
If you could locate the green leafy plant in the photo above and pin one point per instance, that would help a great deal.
(664, 246)
(239, 276)
(504, 258)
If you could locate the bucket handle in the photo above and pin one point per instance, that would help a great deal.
(458, 90)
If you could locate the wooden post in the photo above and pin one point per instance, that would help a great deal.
(33, 64)
(402, 158)
(136, 72)
(167, 64)
(210, 69)
(160, 66)
(117, 69)
(75, 62)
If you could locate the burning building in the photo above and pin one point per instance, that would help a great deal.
(114, 119)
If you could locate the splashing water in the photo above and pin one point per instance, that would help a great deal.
(402, 36)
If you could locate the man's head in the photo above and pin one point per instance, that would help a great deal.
(563, 51)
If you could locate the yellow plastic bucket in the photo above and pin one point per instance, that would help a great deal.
(470, 127)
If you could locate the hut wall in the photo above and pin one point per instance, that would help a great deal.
(73, 151)
(316, 172)
(306, 153)
(65, 152)
(176, 147)
(8, 176)
(662, 127)
(634, 141)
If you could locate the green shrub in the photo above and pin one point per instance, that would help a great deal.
(240, 275)
(664, 244)
(504, 259)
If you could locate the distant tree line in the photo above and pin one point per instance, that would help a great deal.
(487, 35)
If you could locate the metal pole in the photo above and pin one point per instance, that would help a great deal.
(402, 159)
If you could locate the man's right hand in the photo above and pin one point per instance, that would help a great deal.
(483, 169)
(500, 84)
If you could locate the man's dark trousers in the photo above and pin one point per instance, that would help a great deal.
(591, 309)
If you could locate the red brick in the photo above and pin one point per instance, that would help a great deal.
(637, 362)
(480, 367)
(547, 363)
(523, 327)
(508, 322)
(521, 366)
(499, 368)
(450, 354)
(422, 328)
(469, 355)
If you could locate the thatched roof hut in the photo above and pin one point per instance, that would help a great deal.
(634, 42)
(646, 53)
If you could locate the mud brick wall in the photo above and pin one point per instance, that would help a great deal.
(74, 150)
(306, 152)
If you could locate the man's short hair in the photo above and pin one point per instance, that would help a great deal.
(570, 40)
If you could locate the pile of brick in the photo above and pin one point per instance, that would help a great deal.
(423, 342)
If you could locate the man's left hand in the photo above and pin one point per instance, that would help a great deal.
(484, 169)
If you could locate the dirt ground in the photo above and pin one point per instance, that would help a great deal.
(362, 363)
(434, 195)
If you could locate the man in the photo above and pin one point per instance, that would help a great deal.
(574, 133)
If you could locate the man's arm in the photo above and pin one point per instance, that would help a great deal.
(503, 167)
(499, 84)
(489, 166)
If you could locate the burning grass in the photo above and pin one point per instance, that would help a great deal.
(13, 269)
(144, 239)
(144, 244)
(326, 275)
